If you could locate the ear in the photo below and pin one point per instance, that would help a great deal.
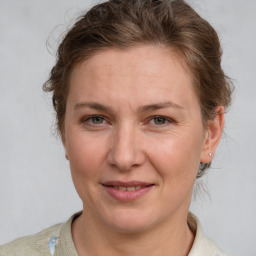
(213, 135)
(64, 143)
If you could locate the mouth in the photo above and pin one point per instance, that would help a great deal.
(127, 191)
(131, 188)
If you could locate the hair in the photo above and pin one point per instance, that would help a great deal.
(124, 24)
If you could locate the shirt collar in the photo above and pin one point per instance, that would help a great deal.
(202, 246)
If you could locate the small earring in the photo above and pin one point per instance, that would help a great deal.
(210, 154)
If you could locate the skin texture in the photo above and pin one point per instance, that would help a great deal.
(127, 141)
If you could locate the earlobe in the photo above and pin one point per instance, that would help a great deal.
(63, 139)
(213, 135)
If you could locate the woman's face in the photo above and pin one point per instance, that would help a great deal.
(134, 137)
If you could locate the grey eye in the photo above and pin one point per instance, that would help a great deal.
(97, 120)
(159, 120)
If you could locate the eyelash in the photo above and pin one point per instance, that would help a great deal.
(88, 120)
(167, 120)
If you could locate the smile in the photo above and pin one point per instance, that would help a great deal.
(127, 191)
(128, 188)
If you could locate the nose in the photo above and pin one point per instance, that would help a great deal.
(126, 150)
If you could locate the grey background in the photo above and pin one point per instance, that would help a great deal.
(36, 190)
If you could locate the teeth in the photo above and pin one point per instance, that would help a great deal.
(127, 188)
(130, 188)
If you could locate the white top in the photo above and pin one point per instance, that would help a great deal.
(57, 240)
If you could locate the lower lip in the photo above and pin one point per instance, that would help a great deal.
(127, 195)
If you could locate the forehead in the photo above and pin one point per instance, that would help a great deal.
(145, 73)
(149, 59)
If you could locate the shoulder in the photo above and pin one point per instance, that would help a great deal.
(34, 245)
(202, 246)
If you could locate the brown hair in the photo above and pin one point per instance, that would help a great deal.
(127, 23)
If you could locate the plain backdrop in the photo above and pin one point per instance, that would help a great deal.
(36, 189)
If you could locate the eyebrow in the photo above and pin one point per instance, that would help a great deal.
(146, 108)
(92, 105)
(152, 107)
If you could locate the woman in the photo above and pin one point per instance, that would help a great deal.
(140, 98)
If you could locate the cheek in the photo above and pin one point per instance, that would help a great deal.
(86, 157)
(176, 161)
(176, 157)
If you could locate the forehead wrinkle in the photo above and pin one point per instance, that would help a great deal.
(103, 75)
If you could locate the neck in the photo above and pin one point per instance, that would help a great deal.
(172, 238)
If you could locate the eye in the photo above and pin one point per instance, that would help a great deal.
(94, 120)
(160, 121)
(97, 119)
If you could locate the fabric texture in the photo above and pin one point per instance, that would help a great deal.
(58, 240)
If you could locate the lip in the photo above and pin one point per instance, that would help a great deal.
(126, 183)
(127, 196)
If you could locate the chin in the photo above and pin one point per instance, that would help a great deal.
(130, 228)
(131, 221)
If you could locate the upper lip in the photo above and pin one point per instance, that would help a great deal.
(126, 183)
